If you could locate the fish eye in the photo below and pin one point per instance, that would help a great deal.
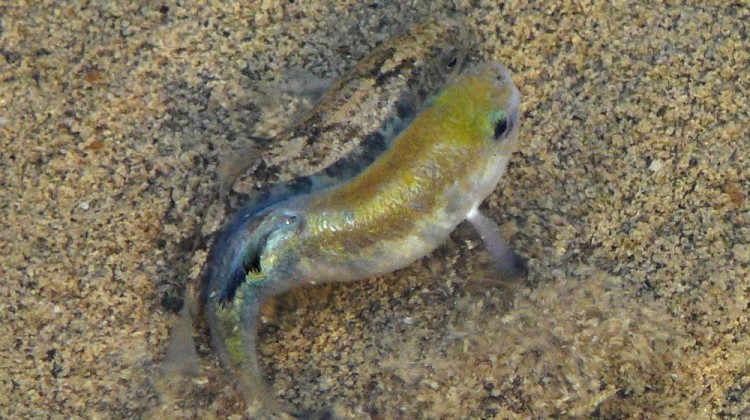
(502, 126)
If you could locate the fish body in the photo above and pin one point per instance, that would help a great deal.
(348, 128)
(355, 120)
(400, 208)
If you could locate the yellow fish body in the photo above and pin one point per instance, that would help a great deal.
(399, 209)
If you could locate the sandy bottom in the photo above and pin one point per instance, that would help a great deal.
(629, 197)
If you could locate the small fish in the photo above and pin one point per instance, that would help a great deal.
(349, 127)
(399, 209)
(355, 120)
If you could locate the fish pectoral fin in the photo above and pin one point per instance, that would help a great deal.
(506, 262)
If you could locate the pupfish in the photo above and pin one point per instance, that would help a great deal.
(434, 175)
(349, 127)
(354, 121)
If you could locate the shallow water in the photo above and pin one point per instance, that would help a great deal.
(629, 198)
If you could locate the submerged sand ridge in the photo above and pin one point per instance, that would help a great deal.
(629, 198)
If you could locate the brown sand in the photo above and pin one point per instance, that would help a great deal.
(629, 198)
